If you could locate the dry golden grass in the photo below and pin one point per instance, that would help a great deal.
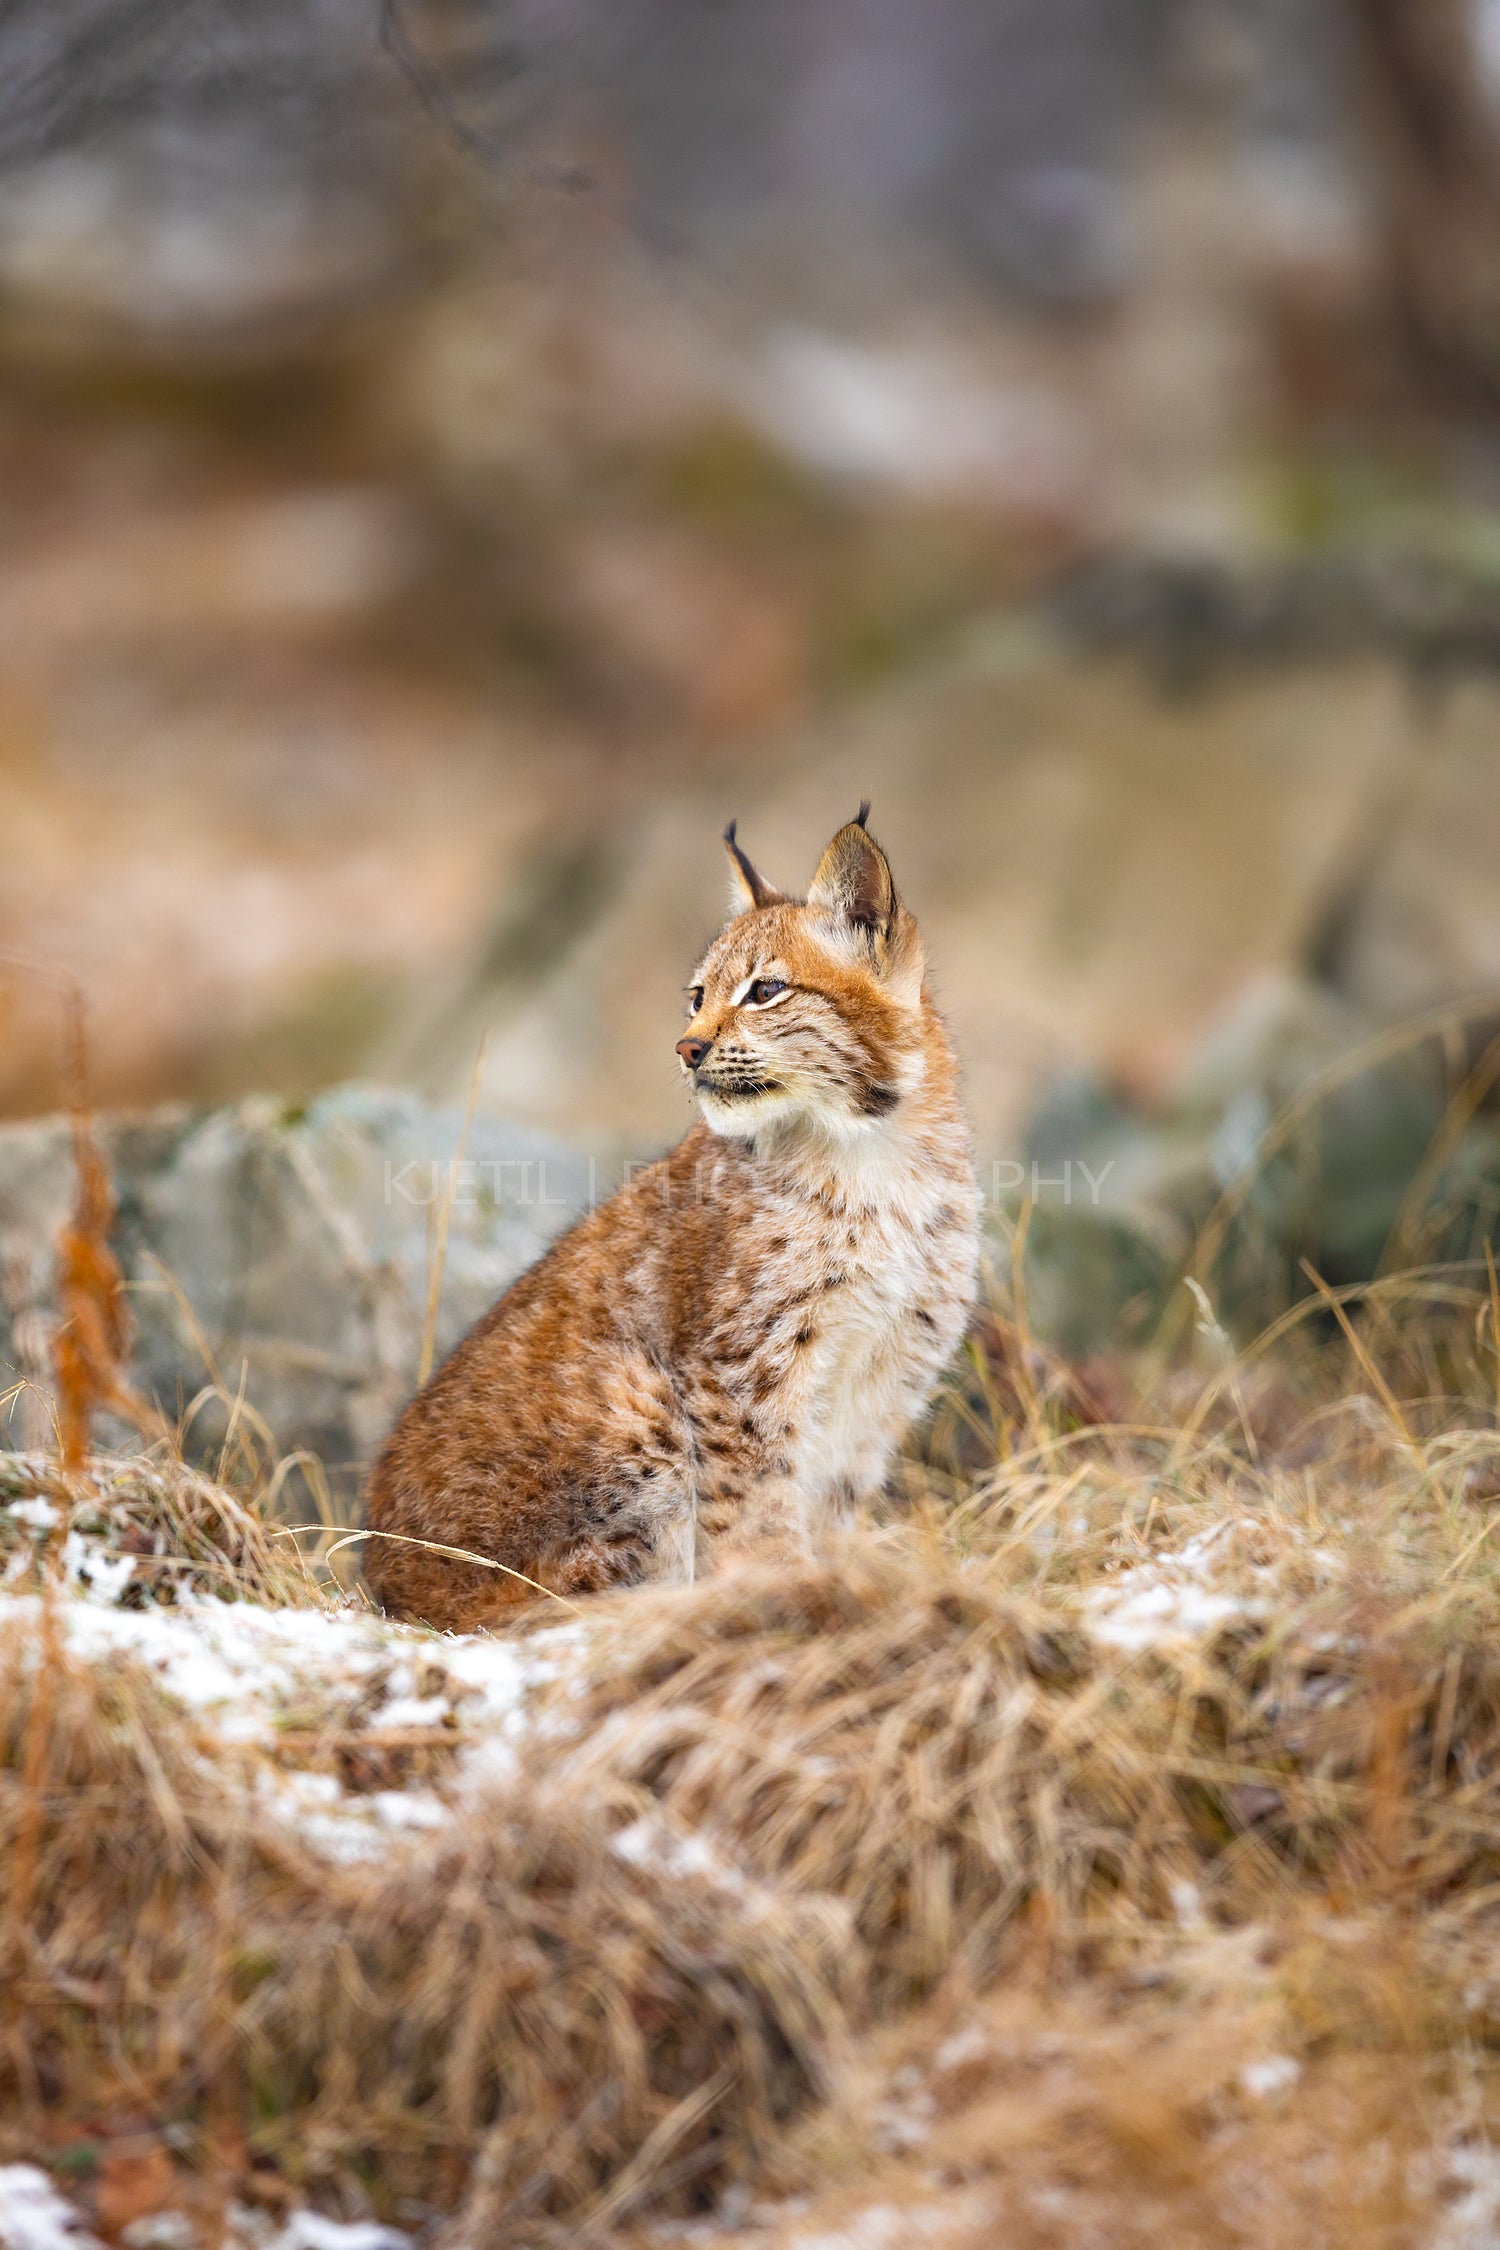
(509, 2013)
(184, 1532)
(951, 1791)
(1101, 1848)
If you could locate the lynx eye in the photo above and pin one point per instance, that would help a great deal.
(764, 989)
(695, 999)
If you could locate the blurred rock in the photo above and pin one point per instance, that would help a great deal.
(1423, 927)
(1098, 869)
(1305, 1130)
(923, 417)
(250, 863)
(299, 562)
(708, 640)
(1095, 1280)
(282, 1253)
(1195, 617)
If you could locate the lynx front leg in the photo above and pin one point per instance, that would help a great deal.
(640, 1523)
(850, 1498)
(750, 1499)
(765, 1517)
(674, 1547)
(635, 1546)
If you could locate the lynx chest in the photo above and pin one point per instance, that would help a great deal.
(861, 1332)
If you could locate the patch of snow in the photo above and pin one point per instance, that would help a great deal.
(92, 1568)
(904, 2125)
(1169, 1598)
(892, 2226)
(309, 2230)
(407, 1808)
(33, 2216)
(245, 1666)
(246, 2228)
(294, 1684)
(415, 1711)
(651, 1843)
(37, 1515)
(1197, 1556)
(1271, 2074)
(160, 2230)
(1470, 2173)
(1151, 1616)
(348, 1825)
(971, 2044)
(1187, 1905)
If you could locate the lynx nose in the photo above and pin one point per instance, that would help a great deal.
(693, 1051)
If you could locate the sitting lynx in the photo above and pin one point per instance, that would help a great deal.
(742, 1334)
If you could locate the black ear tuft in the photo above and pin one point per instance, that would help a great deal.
(862, 817)
(748, 886)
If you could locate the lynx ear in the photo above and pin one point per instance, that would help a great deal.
(853, 883)
(747, 887)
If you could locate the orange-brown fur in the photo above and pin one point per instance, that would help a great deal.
(742, 1334)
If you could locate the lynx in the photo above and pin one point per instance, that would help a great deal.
(737, 1340)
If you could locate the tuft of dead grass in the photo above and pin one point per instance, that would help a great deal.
(1102, 1848)
(512, 2016)
(944, 1756)
(1148, 1763)
(182, 1531)
(1119, 2112)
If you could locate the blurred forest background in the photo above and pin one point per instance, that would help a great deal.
(454, 454)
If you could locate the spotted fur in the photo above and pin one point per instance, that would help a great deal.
(739, 1338)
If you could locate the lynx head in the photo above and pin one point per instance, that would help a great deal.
(808, 1009)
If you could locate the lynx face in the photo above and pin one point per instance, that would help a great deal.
(810, 1009)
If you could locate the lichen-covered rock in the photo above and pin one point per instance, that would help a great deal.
(1306, 1133)
(280, 1254)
